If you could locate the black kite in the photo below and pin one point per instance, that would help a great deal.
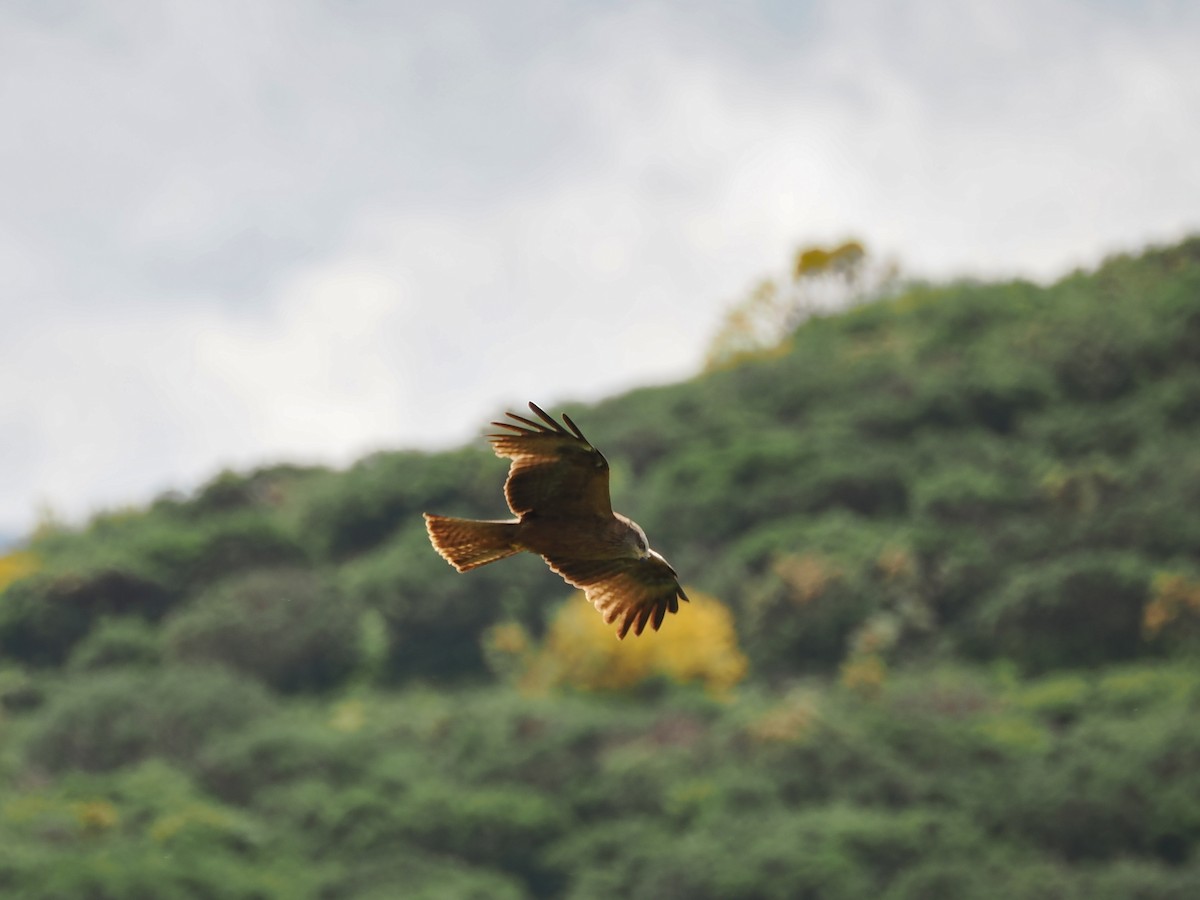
(558, 488)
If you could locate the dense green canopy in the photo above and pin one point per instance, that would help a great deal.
(957, 531)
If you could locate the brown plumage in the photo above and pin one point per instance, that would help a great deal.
(558, 488)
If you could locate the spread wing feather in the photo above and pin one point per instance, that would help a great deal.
(631, 592)
(555, 473)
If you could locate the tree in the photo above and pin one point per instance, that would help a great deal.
(818, 279)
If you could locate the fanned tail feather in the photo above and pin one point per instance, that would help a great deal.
(468, 543)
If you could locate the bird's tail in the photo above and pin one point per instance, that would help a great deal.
(468, 543)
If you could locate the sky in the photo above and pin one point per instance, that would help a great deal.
(234, 234)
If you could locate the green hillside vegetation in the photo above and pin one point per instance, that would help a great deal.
(948, 545)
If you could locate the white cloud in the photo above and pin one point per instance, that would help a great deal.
(321, 231)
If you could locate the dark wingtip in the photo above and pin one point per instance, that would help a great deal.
(574, 428)
(551, 426)
(643, 618)
(625, 623)
(537, 426)
(545, 417)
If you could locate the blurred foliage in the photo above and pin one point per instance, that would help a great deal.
(130, 564)
(106, 720)
(286, 627)
(360, 508)
(434, 624)
(146, 832)
(16, 564)
(1080, 609)
(953, 532)
(125, 641)
(1173, 611)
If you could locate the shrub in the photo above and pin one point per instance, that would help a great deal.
(144, 833)
(416, 875)
(799, 615)
(193, 554)
(1075, 610)
(969, 495)
(277, 751)
(1110, 788)
(500, 826)
(1142, 880)
(698, 644)
(44, 616)
(436, 617)
(287, 627)
(835, 853)
(115, 718)
(16, 565)
(822, 580)
(940, 879)
(361, 508)
(123, 641)
(130, 565)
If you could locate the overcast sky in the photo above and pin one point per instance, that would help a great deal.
(235, 233)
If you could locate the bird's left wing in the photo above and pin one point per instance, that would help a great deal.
(555, 472)
(629, 591)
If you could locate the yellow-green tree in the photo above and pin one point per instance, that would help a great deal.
(818, 278)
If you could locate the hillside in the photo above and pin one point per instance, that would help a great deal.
(947, 563)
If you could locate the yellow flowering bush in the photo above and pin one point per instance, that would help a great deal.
(698, 645)
(16, 565)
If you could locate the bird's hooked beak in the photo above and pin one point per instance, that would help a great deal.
(654, 554)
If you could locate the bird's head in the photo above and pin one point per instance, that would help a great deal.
(639, 545)
(635, 538)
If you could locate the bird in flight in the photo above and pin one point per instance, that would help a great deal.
(558, 488)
